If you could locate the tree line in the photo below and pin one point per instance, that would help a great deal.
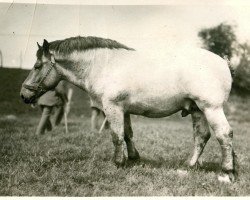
(222, 40)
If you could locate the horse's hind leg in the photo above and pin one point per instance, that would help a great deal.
(201, 135)
(128, 137)
(224, 134)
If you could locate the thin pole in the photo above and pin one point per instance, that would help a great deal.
(21, 60)
(103, 124)
(1, 57)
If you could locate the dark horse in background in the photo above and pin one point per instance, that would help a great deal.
(121, 81)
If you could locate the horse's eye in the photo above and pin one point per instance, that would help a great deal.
(38, 66)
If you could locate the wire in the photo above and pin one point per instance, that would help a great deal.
(30, 29)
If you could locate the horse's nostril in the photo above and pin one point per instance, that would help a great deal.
(22, 96)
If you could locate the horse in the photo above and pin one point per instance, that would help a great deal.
(122, 81)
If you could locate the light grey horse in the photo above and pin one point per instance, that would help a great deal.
(122, 81)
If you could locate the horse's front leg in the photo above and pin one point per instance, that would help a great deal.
(132, 152)
(115, 116)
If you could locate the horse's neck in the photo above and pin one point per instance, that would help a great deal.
(82, 68)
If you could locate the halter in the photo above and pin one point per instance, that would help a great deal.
(38, 87)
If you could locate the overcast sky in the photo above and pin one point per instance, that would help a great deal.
(22, 25)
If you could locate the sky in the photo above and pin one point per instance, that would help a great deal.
(24, 24)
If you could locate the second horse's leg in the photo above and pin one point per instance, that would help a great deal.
(94, 118)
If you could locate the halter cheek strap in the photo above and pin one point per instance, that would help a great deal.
(38, 87)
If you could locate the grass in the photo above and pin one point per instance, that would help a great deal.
(80, 163)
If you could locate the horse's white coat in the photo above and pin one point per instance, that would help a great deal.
(154, 83)
(154, 86)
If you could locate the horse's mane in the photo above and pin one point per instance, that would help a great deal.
(69, 45)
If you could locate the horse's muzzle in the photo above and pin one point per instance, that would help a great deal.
(27, 96)
(28, 101)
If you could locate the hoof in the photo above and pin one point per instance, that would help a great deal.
(195, 165)
(120, 163)
(120, 160)
(94, 131)
(226, 177)
(134, 156)
(49, 128)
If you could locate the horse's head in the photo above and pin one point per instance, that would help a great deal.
(42, 77)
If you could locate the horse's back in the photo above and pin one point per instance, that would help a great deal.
(194, 71)
(185, 66)
(160, 83)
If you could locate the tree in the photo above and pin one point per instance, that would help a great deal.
(219, 39)
(242, 75)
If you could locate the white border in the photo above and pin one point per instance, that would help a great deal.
(135, 2)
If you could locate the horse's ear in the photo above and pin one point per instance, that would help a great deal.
(45, 46)
(39, 46)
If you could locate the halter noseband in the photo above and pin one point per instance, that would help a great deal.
(38, 87)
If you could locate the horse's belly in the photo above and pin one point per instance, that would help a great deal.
(155, 107)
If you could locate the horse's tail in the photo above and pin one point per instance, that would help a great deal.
(231, 68)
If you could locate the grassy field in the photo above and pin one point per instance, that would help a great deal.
(80, 163)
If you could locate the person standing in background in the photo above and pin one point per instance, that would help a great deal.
(52, 101)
